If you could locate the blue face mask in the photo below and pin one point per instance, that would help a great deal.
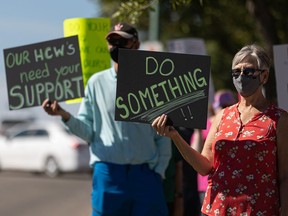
(246, 85)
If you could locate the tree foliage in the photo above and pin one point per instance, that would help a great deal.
(224, 25)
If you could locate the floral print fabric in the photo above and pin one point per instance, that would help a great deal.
(244, 178)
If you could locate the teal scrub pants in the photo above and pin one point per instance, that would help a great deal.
(127, 190)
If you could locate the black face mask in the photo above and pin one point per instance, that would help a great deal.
(114, 50)
(246, 86)
(114, 53)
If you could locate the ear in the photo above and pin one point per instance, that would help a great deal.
(265, 76)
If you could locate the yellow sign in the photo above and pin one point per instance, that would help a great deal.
(93, 46)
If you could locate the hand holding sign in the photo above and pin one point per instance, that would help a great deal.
(54, 109)
(162, 128)
(152, 83)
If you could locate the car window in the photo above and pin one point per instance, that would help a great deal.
(34, 133)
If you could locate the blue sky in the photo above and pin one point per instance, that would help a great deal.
(25, 22)
(30, 21)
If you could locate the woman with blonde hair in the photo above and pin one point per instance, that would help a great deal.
(246, 150)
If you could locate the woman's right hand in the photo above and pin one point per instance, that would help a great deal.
(159, 124)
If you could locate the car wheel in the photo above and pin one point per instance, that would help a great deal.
(51, 168)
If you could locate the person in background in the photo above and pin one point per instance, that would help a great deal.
(191, 201)
(173, 184)
(129, 159)
(222, 99)
(245, 153)
(180, 185)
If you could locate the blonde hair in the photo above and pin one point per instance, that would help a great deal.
(253, 54)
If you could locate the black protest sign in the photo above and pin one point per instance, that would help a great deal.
(50, 69)
(152, 83)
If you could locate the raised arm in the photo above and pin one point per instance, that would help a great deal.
(197, 140)
(202, 163)
(80, 126)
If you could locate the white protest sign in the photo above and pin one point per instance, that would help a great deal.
(281, 74)
(194, 46)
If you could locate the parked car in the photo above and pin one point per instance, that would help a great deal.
(43, 146)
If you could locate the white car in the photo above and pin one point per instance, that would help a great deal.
(43, 146)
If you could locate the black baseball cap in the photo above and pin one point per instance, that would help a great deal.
(125, 30)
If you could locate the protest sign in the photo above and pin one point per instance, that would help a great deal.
(187, 45)
(281, 74)
(152, 83)
(194, 46)
(92, 44)
(50, 69)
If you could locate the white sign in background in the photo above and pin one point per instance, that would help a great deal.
(281, 74)
(194, 46)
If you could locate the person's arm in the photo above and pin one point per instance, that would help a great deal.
(80, 126)
(202, 163)
(282, 144)
(197, 140)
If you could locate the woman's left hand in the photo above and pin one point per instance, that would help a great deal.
(159, 124)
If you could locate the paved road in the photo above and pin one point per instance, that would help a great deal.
(23, 194)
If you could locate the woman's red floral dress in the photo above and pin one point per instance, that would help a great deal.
(244, 178)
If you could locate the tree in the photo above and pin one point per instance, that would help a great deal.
(224, 25)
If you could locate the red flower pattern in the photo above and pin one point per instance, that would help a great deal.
(245, 167)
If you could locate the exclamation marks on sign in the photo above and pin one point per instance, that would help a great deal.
(191, 117)
(183, 114)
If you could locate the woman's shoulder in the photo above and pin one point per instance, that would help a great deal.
(277, 111)
(277, 114)
(283, 116)
(229, 110)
